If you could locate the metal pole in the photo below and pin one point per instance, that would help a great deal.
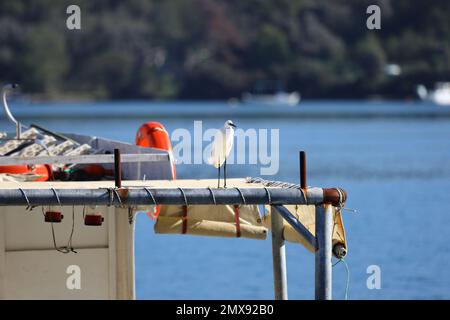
(323, 274)
(297, 225)
(278, 256)
(140, 196)
(82, 159)
(18, 130)
(303, 170)
(117, 169)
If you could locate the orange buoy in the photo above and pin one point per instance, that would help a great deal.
(152, 134)
(43, 170)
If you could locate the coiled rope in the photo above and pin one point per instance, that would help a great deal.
(274, 183)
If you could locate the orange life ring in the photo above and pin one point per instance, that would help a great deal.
(43, 170)
(153, 135)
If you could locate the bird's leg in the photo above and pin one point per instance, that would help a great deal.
(218, 178)
(225, 173)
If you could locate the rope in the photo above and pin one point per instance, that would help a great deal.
(272, 183)
(150, 194)
(341, 198)
(151, 214)
(184, 220)
(347, 284)
(69, 243)
(280, 184)
(304, 195)
(212, 195)
(118, 196)
(237, 221)
(184, 196)
(29, 207)
(56, 195)
(242, 196)
(69, 247)
(342, 203)
(268, 195)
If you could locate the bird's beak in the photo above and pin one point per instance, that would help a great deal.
(10, 86)
(233, 125)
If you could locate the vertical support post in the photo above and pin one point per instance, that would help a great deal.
(302, 158)
(323, 266)
(124, 246)
(117, 169)
(3, 230)
(278, 256)
(18, 130)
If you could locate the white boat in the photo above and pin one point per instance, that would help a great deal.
(440, 95)
(74, 239)
(279, 98)
(98, 239)
(271, 93)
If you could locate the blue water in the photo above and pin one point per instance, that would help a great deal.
(392, 158)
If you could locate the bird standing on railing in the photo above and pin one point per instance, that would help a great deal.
(221, 148)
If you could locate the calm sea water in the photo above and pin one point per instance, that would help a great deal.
(393, 159)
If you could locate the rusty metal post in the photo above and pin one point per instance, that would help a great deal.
(323, 264)
(117, 169)
(302, 159)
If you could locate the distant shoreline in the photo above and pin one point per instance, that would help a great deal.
(195, 110)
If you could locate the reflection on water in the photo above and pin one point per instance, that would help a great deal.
(396, 172)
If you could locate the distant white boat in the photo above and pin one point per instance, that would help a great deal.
(277, 98)
(440, 95)
(270, 93)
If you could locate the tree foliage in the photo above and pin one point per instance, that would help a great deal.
(215, 49)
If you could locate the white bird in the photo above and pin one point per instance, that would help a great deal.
(221, 148)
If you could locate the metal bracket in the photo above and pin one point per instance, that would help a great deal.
(297, 225)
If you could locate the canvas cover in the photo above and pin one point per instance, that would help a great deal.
(219, 221)
(206, 220)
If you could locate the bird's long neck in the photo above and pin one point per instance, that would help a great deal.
(10, 116)
(6, 107)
